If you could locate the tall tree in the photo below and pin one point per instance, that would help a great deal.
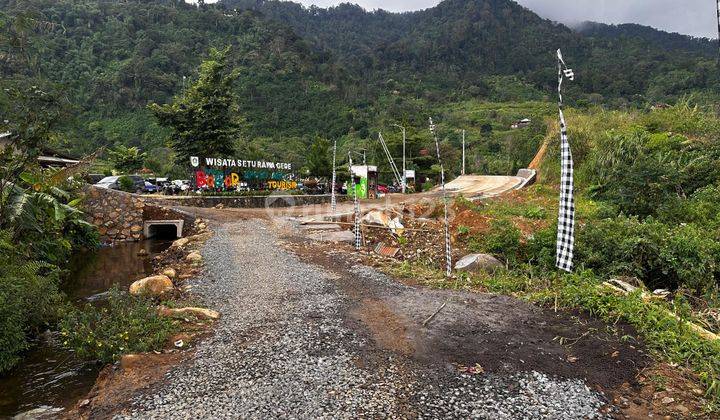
(318, 158)
(205, 119)
(127, 160)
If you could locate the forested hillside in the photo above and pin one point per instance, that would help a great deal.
(452, 47)
(645, 34)
(112, 58)
(340, 72)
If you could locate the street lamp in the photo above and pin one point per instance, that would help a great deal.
(404, 177)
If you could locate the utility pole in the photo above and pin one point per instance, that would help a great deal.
(463, 171)
(404, 176)
(718, 16)
(333, 199)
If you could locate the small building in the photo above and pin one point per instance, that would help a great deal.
(521, 123)
(48, 158)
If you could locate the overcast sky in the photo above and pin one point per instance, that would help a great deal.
(692, 17)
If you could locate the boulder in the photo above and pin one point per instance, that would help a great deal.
(180, 243)
(152, 286)
(200, 313)
(376, 217)
(478, 262)
(336, 236)
(170, 273)
(194, 257)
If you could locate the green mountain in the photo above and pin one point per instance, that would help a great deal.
(308, 72)
(633, 32)
(111, 58)
(456, 44)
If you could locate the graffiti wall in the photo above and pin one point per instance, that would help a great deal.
(239, 174)
(217, 179)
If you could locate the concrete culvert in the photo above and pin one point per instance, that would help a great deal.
(163, 229)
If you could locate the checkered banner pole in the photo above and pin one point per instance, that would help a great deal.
(333, 199)
(566, 214)
(356, 203)
(718, 16)
(448, 250)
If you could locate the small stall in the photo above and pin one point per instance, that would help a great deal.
(366, 181)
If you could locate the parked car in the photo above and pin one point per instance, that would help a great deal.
(150, 187)
(383, 189)
(168, 188)
(183, 184)
(112, 183)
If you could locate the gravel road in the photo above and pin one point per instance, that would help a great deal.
(286, 347)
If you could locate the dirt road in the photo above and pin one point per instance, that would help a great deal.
(310, 333)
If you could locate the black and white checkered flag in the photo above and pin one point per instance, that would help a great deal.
(718, 16)
(566, 216)
(448, 249)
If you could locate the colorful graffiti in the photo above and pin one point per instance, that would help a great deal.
(217, 179)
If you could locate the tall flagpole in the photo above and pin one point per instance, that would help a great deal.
(333, 199)
(356, 204)
(566, 213)
(718, 16)
(448, 251)
(463, 171)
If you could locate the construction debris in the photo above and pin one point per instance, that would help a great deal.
(386, 251)
(626, 288)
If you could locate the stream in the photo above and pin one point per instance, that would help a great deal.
(50, 377)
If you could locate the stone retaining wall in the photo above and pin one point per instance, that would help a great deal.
(118, 215)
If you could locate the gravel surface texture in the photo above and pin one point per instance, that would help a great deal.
(286, 348)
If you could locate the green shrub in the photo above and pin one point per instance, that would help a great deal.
(127, 324)
(535, 212)
(702, 208)
(501, 240)
(660, 255)
(29, 300)
(463, 230)
(541, 248)
(126, 184)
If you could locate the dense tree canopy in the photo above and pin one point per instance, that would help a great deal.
(204, 119)
(338, 73)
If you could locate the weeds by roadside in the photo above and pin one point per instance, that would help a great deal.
(128, 324)
(667, 337)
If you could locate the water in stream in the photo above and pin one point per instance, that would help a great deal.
(49, 376)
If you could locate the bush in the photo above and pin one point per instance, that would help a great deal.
(658, 254)
(501, 240)
(535, 212)
(127, 324)
(541, 248)
(29, 300)
(126, 184)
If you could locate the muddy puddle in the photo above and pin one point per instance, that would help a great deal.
(49, 377)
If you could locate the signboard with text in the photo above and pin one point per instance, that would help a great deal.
(230, 174)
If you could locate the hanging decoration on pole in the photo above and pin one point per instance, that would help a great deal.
(356, 203)
(333, 198)
(463, 154)
(566, 214)
(448, 250)
(718, 16)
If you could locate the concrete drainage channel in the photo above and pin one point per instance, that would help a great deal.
(163, 228)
